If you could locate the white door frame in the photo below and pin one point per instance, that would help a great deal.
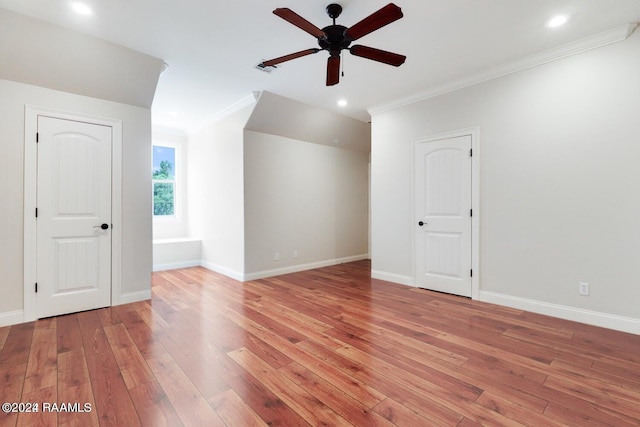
(30, 193)
(474, 132)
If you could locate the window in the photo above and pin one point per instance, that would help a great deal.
(164, 181)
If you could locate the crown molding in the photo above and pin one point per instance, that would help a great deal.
(248, 100)
(581, 45)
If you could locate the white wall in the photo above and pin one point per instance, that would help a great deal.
(136, 196)
(559, 147)
(252, 193)
(306, 197)
(215, 194)
(169, 254)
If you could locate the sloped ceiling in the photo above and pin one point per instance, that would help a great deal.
(277, 115)
(43, 54)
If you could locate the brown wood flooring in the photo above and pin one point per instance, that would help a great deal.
(324, 347)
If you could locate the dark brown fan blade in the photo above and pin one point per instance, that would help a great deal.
(297, 20)
(378, 55)
(376, 20)
(333, 70)
(275, 61)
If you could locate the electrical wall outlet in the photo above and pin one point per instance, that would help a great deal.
(276, 256)
(583, 288)
(295, 254)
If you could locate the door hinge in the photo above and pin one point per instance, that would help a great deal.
(36, 212)
(470, 212)
(470, 152)
(36, 287)
(37, 137)
(471, 273)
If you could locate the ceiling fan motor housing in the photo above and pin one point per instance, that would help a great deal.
(335, 39)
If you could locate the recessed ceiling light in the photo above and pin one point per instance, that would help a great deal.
(81, 8)
(174, 113)
(557, 21)
(342, 103)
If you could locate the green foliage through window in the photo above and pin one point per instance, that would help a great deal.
(165, 171)
(163, 199)
(163, 180)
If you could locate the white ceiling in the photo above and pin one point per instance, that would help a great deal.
(212, 47)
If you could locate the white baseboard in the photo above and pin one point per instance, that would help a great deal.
(130, 297)
(392, 277)
(222, 270)
(176, 265)
(11, 318)
(17, 317)
(302, 267)
(610, 321)
(176, 240)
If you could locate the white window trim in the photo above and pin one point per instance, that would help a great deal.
(178, 181)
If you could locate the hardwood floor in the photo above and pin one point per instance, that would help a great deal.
(323, 347)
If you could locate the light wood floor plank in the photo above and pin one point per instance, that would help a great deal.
(344, 405)
(308, 406)
(400, 415)
(191, 406)
(4, 333)
(234, 411)
(42, 366)
(74, 386)
(112, 401)
(133, 367)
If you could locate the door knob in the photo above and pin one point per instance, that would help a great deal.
(420, 223)
(102, 226)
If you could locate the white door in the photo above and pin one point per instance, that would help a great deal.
(443, 215)
(73, 216)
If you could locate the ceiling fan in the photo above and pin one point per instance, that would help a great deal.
(334, 38)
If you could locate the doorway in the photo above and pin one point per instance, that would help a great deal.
(72, 212)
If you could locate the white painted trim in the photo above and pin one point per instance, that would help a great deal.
(302, 267)
(30, 188)
(393, 277)
(176, 265)
(223, 270)
(595, 318)
(11, 318)
(581, 45)
(176, 240)
(474, 132)
(116, 215)
(130, 297)
(227, 111)
(30, 193)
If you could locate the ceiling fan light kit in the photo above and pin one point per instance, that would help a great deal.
(336, 38)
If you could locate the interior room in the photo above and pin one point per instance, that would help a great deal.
(292, 214)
